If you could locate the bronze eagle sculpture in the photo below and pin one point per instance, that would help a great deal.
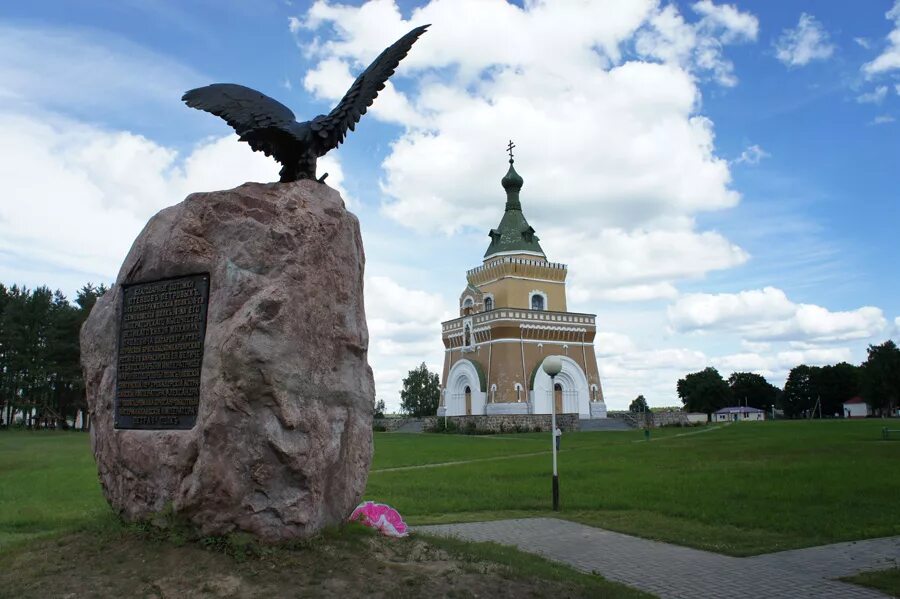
(270, 127)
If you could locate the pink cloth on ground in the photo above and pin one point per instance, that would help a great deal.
(381, 517)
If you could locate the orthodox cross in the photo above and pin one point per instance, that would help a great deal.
(509, 149)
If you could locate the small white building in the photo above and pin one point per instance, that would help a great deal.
(735, 413)
(857, 408)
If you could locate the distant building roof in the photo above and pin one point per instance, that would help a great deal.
(856, 399)
(738, 410)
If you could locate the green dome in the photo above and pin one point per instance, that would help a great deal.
(513, 234)
(512, 182)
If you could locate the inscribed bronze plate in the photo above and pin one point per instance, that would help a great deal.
(161, 353)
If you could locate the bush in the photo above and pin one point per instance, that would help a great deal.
(441, 427)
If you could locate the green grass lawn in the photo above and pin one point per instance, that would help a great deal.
(48, 483)
(49, 487)
(393, 450)
(886, 581)
(740, 489)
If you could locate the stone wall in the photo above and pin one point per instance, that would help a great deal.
(510, 423)
(657, 419)
(391, 424)
(628, 418)
(670, 419)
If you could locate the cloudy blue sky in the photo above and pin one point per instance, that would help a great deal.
(720, 178)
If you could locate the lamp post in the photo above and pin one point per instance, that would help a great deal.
(552, 366)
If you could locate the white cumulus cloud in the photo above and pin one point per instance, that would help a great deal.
(404, 330)
(649, 372)
(804, 43)
(93, 186)
(767, 314)
(620, 143)
(95, 189)
(620, 265)
(889, 59)
(752, 155)
(697, 46)
(875, 96)
(609, 343)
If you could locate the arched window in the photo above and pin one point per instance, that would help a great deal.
(488, 304)
(537, 302)
(468, 304)
(558, 397)
(468, 401)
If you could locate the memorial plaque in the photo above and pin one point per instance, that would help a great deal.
(161, 353)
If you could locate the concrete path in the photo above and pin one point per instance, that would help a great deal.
(674, 571)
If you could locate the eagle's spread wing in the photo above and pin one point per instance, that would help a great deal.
(331, 129)
(259, 120)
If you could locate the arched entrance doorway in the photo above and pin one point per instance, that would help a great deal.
(464, 393)
(568, 394)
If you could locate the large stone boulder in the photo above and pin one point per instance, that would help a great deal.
(283, 437)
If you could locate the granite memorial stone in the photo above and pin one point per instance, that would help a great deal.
(226, 370)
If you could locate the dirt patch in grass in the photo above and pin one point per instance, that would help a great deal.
(348, 563)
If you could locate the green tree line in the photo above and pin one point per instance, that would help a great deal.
(40, 370)
(808, 389)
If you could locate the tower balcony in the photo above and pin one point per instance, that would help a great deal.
(525, 319)
(511, 266)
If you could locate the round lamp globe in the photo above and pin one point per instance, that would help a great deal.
(552, 365)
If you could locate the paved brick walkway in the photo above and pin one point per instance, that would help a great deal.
(674, 571)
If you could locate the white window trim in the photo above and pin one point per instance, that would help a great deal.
(543, 294)
(485, 298)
